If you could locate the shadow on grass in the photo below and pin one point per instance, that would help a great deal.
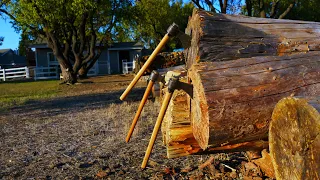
(65, 105)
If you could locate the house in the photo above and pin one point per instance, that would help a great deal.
(10, 59)
(110, 61)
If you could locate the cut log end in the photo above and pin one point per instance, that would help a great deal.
(294, 138)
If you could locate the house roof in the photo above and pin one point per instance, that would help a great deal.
(4, 51)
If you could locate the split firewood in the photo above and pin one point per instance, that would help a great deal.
(295, 138)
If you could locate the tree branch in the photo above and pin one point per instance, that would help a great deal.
(212, 9)
(197, 3)
(274, 7)
(287, 10)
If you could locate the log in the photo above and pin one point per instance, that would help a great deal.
(294, 138)
(233, 100)
(161, 61)
(220, 37)
(178, 136)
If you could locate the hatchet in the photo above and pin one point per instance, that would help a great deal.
(173, 31)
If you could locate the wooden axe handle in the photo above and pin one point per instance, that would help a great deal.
(145, 66)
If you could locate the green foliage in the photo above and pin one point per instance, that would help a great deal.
(24, 42)
(307, 10)
(302, 9)
(151, 18)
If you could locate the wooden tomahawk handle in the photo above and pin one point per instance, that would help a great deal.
(136, 117)
(156, 128)
(145, 66)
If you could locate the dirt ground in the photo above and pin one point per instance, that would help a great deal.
(82, 136)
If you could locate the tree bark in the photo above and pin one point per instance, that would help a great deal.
(249, 7)
(220, 37)
(233, 100)
(294, 138)
(83, 72)
(262, 9)
(287, 10)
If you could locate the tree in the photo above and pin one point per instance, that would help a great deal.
(1, 40)
(75, 30)
(269, 8)
(151, 18)
(24, 42)
(258, 8)
(226, 6)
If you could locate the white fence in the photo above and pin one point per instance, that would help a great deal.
(12, 73)
(46, 73)
(39, 72)
(127, 67)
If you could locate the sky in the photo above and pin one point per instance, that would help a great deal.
(11, 38)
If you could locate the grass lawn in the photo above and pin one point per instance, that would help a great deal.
(17, 93)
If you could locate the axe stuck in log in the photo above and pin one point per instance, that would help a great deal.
(173, 31)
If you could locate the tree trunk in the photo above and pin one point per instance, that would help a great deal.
(233, 100)
(69, 77)
(249, 7)
(83, 72)
(294, 138)
(262, 9)
(220, 37)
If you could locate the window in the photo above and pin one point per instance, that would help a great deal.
(51, 57)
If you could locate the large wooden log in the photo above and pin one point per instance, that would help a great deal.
(219, 37)
(233, 100)
(294, 138)
(178, 136)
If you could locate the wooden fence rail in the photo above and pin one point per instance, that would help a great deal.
(46, 73)
(12, 73)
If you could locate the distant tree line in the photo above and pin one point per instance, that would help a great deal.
(307, 10)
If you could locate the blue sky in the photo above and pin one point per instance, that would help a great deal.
(11, 38)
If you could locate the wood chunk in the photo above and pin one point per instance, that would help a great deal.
(233, 100)
(295, 138)
(265, 164)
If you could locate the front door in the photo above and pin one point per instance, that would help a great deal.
(123, 56)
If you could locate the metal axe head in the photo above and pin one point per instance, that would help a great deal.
(185, 39)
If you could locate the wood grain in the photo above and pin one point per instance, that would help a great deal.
(294, 138)
(233, 101)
